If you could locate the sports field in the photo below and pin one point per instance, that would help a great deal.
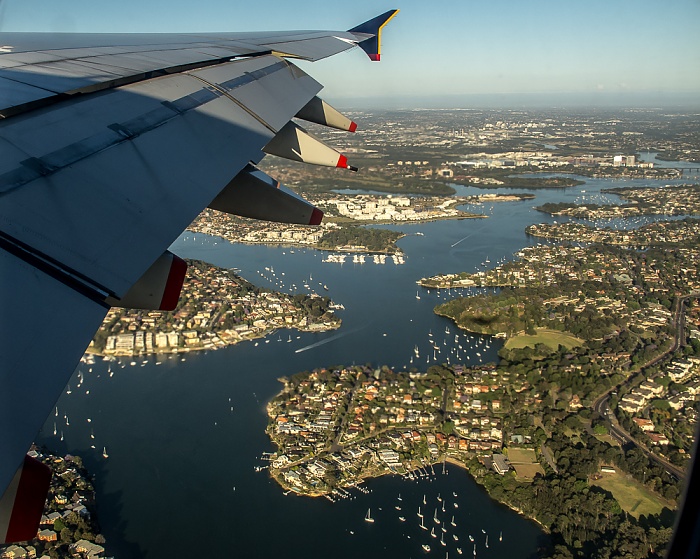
(551, 338)
(633, 497)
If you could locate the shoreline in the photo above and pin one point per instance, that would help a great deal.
(461, 465)
(213, 347)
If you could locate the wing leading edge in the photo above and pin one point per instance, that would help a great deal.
(138, 135)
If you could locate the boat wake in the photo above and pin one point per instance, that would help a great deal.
(326, 340)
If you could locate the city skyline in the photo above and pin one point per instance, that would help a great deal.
(450, 55)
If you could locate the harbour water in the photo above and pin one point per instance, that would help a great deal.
(185, 434)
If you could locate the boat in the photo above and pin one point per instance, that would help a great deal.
(104, 452)
(443, 506)
(439, 498)
(500, 537)
(417, 296)
(459, 550)
(368, 517)
(442, 540)
(435, 518)
(426, 548)
(471, 538)
(399, 497)
(419, 512)
(397, 507)
(421, 524)
(432, 533)
(487, 540)
(453, 521)
(54, 428)
(402, 518)
(424, 498)
(455, 537)
(456, 505)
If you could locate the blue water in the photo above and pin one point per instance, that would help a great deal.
(180, 479)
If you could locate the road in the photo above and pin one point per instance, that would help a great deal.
(601, 404)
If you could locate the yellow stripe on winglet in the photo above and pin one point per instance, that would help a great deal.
(379, 32)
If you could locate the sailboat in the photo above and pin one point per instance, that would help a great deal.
(421, 524)
(487, 540)
(432, 533)
(417, 296)
(104, 452)
(500, 537)
(420, 515)
(442, 540)
(453, 521)
(368, 517)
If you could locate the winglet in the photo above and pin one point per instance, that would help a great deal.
(372, 45)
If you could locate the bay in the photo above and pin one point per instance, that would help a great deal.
(184, 436)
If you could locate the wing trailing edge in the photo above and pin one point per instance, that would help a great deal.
(372, 45)
(254, 194)
(23, 502)
(158, 288)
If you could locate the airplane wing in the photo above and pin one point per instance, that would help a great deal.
(110, 145)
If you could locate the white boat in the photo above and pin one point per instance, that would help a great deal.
(420, 514)
(368, 517)
(104, 452)
(471, 538)
(459, 550)
(455, 537)
(435, 518)
(487, 540)
(500, 537)
(426, 548)
(442, 540)
(421, 523)
(402, 518)
(432, 533)
(453, 521)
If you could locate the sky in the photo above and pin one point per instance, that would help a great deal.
(443, 52)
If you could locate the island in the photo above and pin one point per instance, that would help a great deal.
(217, 308)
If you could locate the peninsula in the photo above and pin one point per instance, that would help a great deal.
(217, 308)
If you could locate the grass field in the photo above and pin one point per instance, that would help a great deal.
(633, 497)
(551, 338)
(521, 455)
